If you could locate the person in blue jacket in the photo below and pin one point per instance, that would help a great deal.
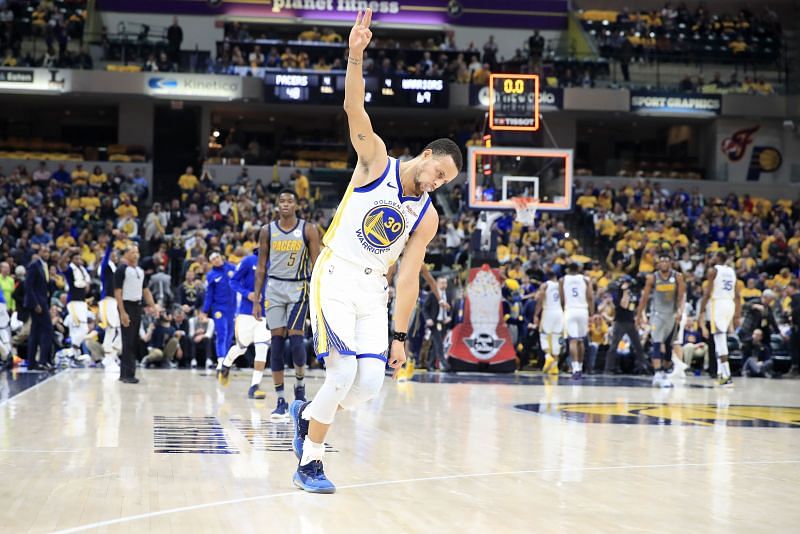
(220, 303)
(248, 330)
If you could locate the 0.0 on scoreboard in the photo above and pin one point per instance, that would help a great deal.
(514, 102)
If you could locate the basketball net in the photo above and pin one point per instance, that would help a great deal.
(526, 209)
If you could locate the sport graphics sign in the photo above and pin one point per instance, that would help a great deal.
(646, 102)
(193, 86)
(21, 80)
(526, 14)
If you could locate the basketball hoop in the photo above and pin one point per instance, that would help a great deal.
(526, 209)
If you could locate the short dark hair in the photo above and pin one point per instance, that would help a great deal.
(722, 256)
(287, 191)
(446, 147)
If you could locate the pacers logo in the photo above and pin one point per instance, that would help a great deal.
(672, 414)
(382, 226)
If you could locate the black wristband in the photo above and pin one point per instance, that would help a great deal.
(400, 336)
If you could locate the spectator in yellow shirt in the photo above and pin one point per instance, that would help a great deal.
(65, 240)
(302, 187)
(74, 202)
(751, 292)
(587, 201)
(80, 176)
(90, 202)
(481, 75)
(188, 182)
(330, 36)
(127, 209)
(98, 178)
(503, 253)
(309, 35)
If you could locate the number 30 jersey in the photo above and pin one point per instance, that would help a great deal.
(724, 283)
(373, 223)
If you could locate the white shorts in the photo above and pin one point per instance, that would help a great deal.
(576, 322)
(552, 321)
(349, 309)
(109, 314)
(249, 331)
(78, 313)
(722, 311)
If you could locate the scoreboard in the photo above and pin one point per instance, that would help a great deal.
(514, 102)
(327, 88)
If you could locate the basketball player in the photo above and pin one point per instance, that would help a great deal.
(220, 304)
(108, 312)
(78, 285)
(247, 330)
(667, 307)
(291, 246)
(725, 313)
(549, 320)
(577, 297)
(385, 211)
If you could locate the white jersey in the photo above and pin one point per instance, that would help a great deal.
(724, 284)
(575, 291)
(552, 296)
(373, 223)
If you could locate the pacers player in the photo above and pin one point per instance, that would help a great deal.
(577, 297)
(385, 211)
(290, 246)
(549, 319)
(669, 296)
(722, 292)
(247, 330)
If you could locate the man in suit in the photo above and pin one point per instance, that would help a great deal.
(436, 313)
(37, 300)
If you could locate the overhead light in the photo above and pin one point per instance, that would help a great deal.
(216, 133)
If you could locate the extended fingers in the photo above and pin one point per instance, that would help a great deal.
(367, 18)
(358, 18)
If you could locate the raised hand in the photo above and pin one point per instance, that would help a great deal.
(360, 34)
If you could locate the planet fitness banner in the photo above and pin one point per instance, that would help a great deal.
(530, 14)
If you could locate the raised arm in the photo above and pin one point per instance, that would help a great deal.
(370, 148)
(261, 270)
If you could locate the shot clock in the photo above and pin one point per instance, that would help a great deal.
(514, 102)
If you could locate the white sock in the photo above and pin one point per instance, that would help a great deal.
(219, 363)
(312, 451)
(726, 369)
(719, 365)
(574, 366)
(580, 367)
(256, 381)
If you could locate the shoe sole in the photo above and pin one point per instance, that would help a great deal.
(278, 418)
(322, 491)
(257, 397)
(294, 415)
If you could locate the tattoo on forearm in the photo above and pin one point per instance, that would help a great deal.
(361, 137)
(353, 60)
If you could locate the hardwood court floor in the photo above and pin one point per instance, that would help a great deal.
(177, 453)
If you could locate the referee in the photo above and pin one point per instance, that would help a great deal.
(128, 291)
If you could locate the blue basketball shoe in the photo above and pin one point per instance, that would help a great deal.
(311, 478)
(300, 426)
(280, 412)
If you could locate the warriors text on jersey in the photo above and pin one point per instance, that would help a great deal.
(374, 222)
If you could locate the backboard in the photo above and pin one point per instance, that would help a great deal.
(495, 174)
